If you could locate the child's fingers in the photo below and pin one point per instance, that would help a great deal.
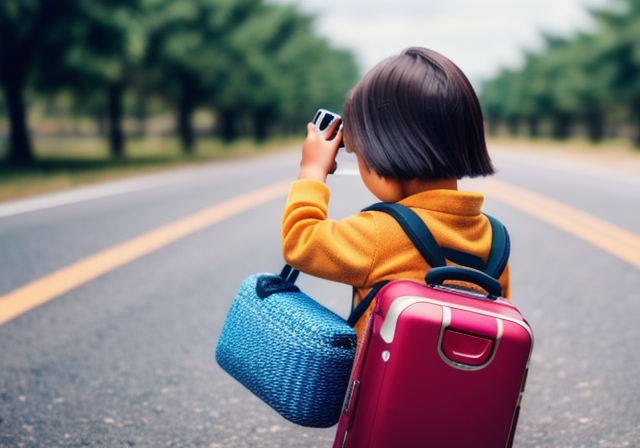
(324, 138)
(319, 152)
(312, 131)
(334, 133)
(335, 128)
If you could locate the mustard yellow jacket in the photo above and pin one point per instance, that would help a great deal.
(369, 247)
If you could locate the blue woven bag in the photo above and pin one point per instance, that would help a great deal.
(289, 350)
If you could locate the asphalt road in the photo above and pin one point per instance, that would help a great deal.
(127, 359)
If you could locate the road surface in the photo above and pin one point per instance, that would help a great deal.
(130, 283)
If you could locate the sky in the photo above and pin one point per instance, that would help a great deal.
(480, 36)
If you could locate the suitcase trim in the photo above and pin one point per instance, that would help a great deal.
(388, 328)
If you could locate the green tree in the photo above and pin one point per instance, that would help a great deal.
(256, 85)
(95, 53)
(501, 100)
(283, 71)
(316, 75)
(24, 26)
(619, 49)
(251, 63)
(189, 61)
(554, 86)
(582, 79)
(492, 100)
(585, 84)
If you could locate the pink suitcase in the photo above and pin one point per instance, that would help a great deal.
(438, 367)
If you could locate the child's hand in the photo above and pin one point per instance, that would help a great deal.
(318, 154)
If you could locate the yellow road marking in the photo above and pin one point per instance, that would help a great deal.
(608, 237)
(613, 239)
(53, 285)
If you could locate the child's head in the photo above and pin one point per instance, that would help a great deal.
(416, 116)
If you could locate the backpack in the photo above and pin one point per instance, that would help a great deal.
(435, 256)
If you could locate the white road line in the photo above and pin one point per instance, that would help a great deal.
(81, 194)
(50, 286)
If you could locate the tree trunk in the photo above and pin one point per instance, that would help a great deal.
(185, 124)
(595, 125)
(636, 116)
(512, 125)
(141, 116)
(20, 151)
(99, 116)
(261, 121)
(561, 126)
(229, 125)
(534, 127)
(492, 125)
(17, 45)
(116, 137)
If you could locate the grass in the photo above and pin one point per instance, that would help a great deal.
(571, 144)
(64, 163)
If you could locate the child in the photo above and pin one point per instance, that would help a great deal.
(416, 127)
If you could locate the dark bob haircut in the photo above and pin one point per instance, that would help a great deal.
(416, 116)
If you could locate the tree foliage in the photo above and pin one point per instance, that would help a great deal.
(591, 79)
(94, 53)
(260, 68)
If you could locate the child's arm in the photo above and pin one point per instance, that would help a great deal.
(318, 154)
(341, 251)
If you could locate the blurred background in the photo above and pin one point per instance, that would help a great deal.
(127, 69)
(91, 85)
(93, 90)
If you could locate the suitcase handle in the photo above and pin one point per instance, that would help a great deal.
(437, 276)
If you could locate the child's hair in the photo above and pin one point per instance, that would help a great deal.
(416, 116)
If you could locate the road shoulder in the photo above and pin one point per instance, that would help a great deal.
(619, 157)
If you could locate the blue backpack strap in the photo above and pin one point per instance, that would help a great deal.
(421, 236)
(359, 310)
(418, 233)
(289, 274)
(500, 248)
(416, 230)
(423, 240)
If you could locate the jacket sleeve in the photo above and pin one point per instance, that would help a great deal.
(342, 251)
